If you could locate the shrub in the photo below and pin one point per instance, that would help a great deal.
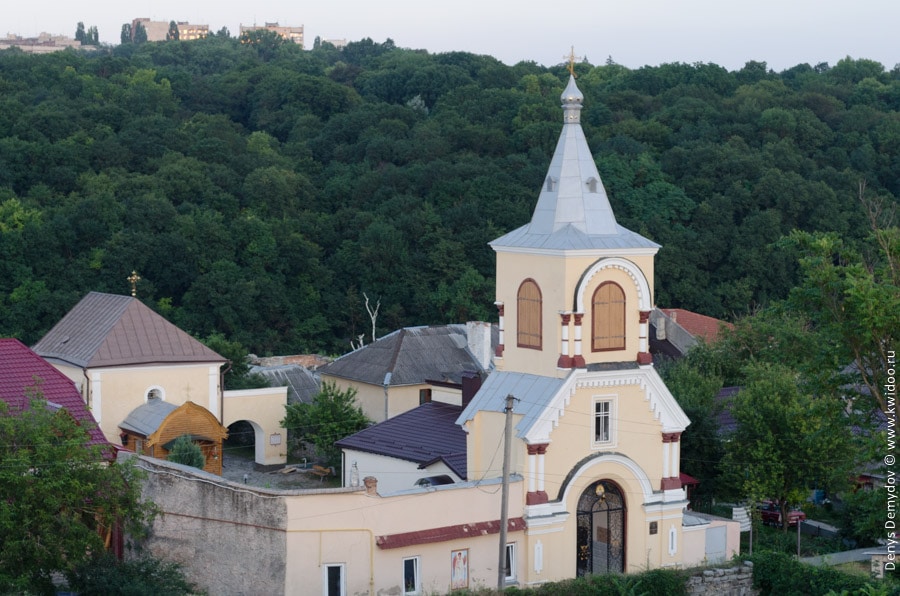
(105, 575)
(186, 452)
(778, 573)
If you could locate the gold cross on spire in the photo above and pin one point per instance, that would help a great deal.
(134, 278)
(571, 58)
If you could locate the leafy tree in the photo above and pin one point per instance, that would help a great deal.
(332, 415)
(92, 37)
(125, 35)
(79, 33)
(853, 300)
(786, 441)
(186, 452)
(172, 33)
(104, 574)
(238, 375)
(140, 33)
(57, 497)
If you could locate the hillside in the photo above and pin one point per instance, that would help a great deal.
(260, 190)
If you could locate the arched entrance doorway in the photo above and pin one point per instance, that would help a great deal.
(601, 529)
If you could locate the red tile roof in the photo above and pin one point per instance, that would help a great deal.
(696, 324)
(23, 374)
(445, 533)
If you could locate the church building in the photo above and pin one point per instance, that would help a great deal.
(596, 432)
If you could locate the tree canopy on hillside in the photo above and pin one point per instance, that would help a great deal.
(260, 189)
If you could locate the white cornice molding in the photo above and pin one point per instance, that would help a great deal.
(659, 399)
(587, 252)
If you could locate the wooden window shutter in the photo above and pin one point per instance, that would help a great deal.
(608, 318)
(528, 328)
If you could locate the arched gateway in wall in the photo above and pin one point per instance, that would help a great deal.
(601, 529)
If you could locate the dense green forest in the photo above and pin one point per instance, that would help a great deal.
(261, 190)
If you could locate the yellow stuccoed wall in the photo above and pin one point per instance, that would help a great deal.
(120, 390)
(558, 278)
(371, 397)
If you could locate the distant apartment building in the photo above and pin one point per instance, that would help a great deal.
(292, 34)
(338, 43)
(158, 30)
(42, 44)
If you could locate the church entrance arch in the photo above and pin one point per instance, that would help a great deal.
(601, 529)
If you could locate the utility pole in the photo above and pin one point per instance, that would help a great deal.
(504, 495)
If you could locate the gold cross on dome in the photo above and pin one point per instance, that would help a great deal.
(571, 58)
(134, 278)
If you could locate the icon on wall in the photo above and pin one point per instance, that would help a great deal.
(459, 569)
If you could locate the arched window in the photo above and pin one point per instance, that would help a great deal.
(608, 318)
(529, 315)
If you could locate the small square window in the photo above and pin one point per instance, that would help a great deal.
(654, 528)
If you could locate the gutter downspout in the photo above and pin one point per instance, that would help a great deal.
(386, 384)
(88, 396)
(222, 374)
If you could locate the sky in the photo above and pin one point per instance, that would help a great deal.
(633, 33)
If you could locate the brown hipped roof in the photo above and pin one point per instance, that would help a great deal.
(112, 330)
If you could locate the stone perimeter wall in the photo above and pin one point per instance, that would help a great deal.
(229, 540)
(733, 581)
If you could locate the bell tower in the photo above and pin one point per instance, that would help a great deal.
(574, 288)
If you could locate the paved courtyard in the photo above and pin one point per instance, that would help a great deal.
(242, 469)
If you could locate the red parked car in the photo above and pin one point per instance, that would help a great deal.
(770, 512)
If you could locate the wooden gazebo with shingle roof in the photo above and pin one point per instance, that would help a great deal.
(151, 429)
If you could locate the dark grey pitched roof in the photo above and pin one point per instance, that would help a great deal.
(422, 435)
(145, 419)
(113, 330)
(302, 384)
(413, 356)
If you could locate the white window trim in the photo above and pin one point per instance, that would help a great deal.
(511, 554)
(418, 587)
(325, 568)
(613, 409)
(160, 389)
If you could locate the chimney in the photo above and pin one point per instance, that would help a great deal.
(478, 337)
(371, 486)
(471, 383)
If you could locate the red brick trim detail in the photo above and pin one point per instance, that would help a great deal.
(645, 358)
(564, 361)
(578, 317)
(537, 449)
(446, 533)
(499, 351)
(671, 483)
(578, 362)
(671, 437)
(536, 498)
(645, 316)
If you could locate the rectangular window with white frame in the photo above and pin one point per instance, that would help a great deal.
(604, 422)
(333, 583)
(510, 563)
(411, 581)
